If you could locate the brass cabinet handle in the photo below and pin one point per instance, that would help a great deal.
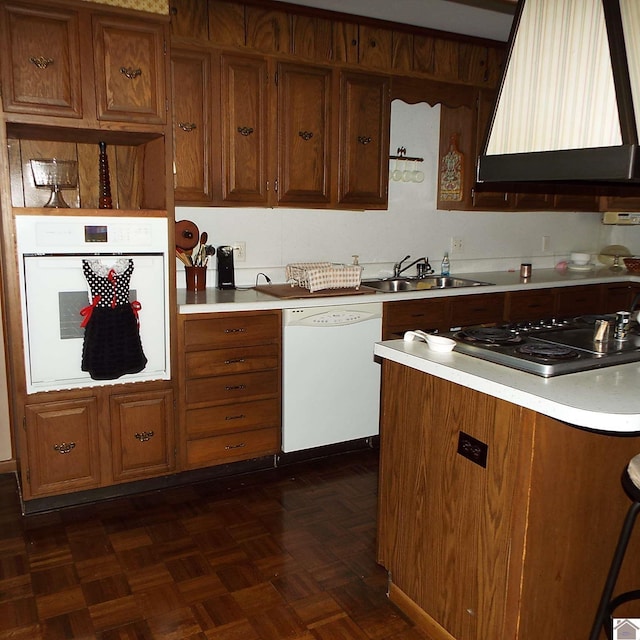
(235, 446)
(64, 447)
(238, 417)
(237, 387)
(144, 436)
(305, 135)
(130, 73)
(187, 126)
(245, 131)
(41, 62)
(364, 139)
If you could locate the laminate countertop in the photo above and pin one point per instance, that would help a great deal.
(606, 400)
(214, 300)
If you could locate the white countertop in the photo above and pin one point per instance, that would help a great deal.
(247, 299)
(606, 399)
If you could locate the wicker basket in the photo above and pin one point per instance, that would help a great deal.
(632, 264)
(316, 276)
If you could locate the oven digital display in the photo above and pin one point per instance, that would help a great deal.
(95, 233)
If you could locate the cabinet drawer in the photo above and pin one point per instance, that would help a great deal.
(229, 361)
(232, 330)
(530, 305)
(482, 308)
(576, 301)
(224, 389)
(415, 314)
(232, 447)
(201, 423)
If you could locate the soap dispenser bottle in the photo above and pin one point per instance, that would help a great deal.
(445, 268)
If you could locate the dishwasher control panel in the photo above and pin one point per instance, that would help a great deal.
(332, 317)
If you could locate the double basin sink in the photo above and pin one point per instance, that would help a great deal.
(395, 285)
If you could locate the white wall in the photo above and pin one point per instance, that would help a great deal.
(411, 225)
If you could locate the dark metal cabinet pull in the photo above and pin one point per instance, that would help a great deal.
(235, 446)
(240, 330)
(234, 361)
(238, 417)
(41, 62)
(237, 387)
(187, 126)
(245, 131)
(144, 436)
(305, 135)
(364, 139)
(64, 447)
(130, 73)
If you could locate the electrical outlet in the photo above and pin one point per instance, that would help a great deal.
(240, 251)
(472, 449)
(546, 243)
(457, 245)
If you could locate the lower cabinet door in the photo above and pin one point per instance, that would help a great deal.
(62, 447)
(141, 435)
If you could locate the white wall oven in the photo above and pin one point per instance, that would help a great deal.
(94, 295)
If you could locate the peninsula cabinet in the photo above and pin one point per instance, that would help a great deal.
(89, 66)
(518, 547)
(229, 381)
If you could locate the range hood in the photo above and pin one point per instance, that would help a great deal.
(568, 100)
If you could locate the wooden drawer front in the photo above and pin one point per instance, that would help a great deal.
(232, 447)
(575, 301)
(415, 314)
(477, 309)
(530, 305)
(229, 331)
(228, 361)
(232, 388)
(202, 423)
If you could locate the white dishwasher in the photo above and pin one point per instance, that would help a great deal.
(331, 383)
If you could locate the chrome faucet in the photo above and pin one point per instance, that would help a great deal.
(422, 271)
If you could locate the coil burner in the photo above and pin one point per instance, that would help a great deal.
(548, 352)
(489, 336)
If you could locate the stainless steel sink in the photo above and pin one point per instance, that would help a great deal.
(394, 285)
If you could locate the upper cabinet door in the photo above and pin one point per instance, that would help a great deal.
(129, 63)
(191, 99)
(364, 140)
(41, 71)
(243, 114)
(304, 129)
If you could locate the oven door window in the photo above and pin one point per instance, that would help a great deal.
(55, 290)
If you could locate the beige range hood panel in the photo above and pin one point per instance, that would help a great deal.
(570, 92)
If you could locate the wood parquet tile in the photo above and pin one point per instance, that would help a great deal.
(281, 554)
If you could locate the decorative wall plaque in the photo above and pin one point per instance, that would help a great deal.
(452, 173)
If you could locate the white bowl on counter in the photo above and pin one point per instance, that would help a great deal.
(434, 342)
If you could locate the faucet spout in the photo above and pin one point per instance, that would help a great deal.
(398, 268)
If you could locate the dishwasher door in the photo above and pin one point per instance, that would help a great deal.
(331, 383)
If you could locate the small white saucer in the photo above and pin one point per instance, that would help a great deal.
(579, 267)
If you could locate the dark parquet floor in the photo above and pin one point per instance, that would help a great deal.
(287, 553)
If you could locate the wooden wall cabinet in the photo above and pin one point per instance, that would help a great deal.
(129, 60)
(41, 64)
(230, 381)
(191, 93)
(52, 68)
(364, 140)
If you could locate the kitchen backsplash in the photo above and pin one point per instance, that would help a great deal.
(412, 224)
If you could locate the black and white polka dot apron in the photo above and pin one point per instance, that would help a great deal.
(112, 346)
